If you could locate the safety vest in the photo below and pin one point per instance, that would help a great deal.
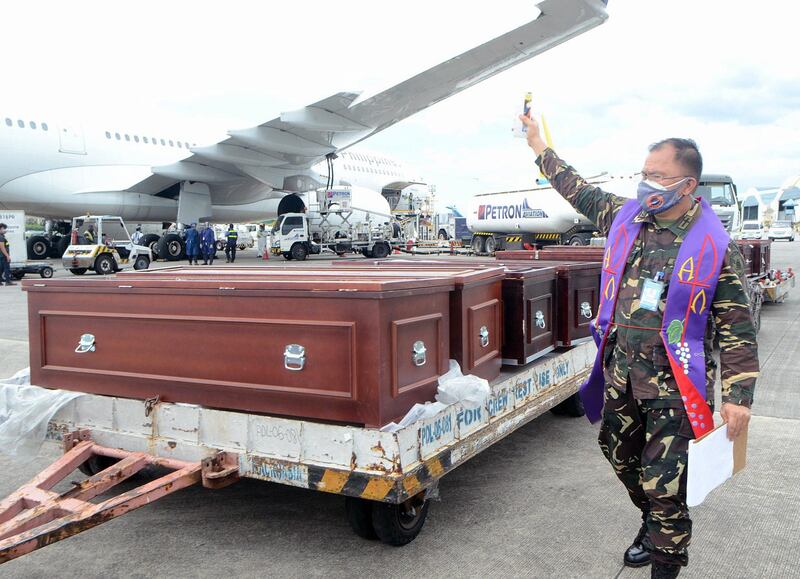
(691, 291)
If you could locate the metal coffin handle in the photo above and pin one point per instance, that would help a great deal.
(586, 310)
(540, 323)
(294, 357)
(420, 353)
(86, 344)
(484, 335)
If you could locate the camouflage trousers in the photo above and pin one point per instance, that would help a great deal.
(646, 444)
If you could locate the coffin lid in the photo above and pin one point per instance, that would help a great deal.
(460, 274)
(260, 279)
(510, 269)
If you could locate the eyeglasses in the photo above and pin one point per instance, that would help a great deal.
(659, 177)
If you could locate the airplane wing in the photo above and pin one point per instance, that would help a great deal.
(296, 140)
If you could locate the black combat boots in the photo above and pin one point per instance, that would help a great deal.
(664, 570)
(638, 554)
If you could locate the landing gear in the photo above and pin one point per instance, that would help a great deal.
(150, 240)
(38, 247)
(171, 247)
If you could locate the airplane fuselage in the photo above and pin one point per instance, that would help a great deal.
(58, 170)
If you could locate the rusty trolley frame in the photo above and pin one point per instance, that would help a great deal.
(387, 477)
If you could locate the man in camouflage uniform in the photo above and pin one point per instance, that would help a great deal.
(645, 431)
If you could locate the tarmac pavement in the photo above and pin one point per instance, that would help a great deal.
(541, 503)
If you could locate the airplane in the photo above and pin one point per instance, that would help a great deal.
(57, 169)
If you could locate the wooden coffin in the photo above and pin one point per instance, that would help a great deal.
(555, 253)
(529, 301)
(360, 351)
(476, 310)
(578, 294)
(756, 253)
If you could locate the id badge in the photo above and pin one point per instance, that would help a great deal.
(651, 295)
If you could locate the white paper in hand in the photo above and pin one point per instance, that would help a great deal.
(710, 464)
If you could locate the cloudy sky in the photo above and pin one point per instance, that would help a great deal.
(724, 72)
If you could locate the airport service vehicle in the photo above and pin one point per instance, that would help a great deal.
(781, 230)
(752, 230)
(336, 225)
(110, 251)
(387, 478)
(540, 216)
(57, 168)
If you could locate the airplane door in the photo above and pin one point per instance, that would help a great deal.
(71, 139)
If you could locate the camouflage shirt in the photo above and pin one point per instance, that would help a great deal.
(638, 352)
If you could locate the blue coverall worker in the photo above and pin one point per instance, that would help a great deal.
(208, 245)
(192, 239)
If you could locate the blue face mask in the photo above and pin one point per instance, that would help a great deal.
(655, 198)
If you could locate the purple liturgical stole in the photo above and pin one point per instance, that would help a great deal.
(689, 297)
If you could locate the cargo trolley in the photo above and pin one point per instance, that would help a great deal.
(387, 478)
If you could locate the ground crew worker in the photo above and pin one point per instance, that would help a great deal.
(208, 245)
(88, 235)
(5, 257)
(669, 265)
(231, 238)
(192, 239)
(261, 240)
(136, 238)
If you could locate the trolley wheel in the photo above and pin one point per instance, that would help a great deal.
(95, 464)
(78, 270)
(400, 524)
(46, 272)
(572, 406)
(359, 515)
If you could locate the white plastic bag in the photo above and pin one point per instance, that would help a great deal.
(417, 412)
(454, 387)
(25, 411)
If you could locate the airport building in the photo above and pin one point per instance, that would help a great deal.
(768, 204)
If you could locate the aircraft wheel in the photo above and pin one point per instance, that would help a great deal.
(171, 247)
(38, 247)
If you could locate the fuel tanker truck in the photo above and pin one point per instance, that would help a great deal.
(540, 216)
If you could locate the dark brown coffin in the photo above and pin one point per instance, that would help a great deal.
(476, 309)
(529, 302)
(578, 294)
(555, 253)
(756, 253)
(221, 342)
